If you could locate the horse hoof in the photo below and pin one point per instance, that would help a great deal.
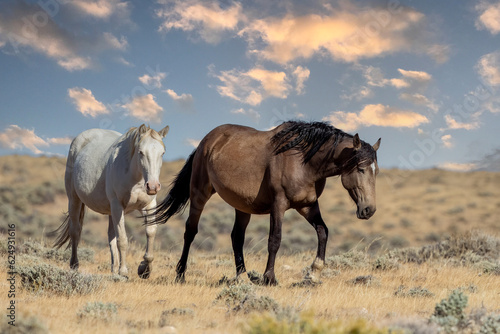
(270, 281)
(180, 279)
(144, 270)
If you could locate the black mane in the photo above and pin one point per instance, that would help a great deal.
(308, 137)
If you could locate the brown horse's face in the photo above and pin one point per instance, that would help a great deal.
(360, 183)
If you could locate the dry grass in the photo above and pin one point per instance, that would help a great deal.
(414, 209)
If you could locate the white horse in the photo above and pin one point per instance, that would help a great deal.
(113, 174)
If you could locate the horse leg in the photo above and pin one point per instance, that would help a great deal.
(146, 266)
(112, 246)
(238, 239)
(274, 242)
(313, 215)
(76, 211)
(118, 218)
(198, 200)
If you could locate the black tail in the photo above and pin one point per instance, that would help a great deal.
(178, 195)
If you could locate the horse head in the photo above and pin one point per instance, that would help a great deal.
(149, 148)
(359, 174)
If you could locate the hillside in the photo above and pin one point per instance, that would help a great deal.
(413, 208)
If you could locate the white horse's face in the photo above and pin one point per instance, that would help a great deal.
(150, 153)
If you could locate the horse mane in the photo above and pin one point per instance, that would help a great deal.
(136, 134)
(308, 137)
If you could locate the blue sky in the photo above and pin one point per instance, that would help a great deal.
(423, 75)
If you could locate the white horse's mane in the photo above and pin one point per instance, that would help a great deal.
(136, 134)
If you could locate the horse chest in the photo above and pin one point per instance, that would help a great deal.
(137, 200)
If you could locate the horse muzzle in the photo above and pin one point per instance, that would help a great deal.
(365, 212)
(152, 188)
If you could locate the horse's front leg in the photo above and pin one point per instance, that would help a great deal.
(274, 241)
(146, 266)
(118, 217)
(313, 215)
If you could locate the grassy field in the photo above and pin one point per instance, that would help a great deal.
(433, 242)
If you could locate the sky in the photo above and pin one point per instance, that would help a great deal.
(422, 75)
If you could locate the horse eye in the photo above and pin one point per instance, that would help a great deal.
(361, 170)
(141, 153)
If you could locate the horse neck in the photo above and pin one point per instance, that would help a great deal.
(130, 158)
(327, 163)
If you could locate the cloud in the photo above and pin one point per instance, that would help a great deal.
(15, 137)
(193, 142)
(489, 17)
(25, 27)
(446, 139)
(358, 93)
(60, 141)
(253, 86)
(86, 103)
(144, 108)
(488, 67)
(206, 18)
(101, 9)
(301, 74)
(415, 75)
(419, 99)
(348, 33)
(253, 114)
(153, 81)
(114, 43)
(455, 125)
(457, 167)
(17, 30)
(185, 101)
(378, 115)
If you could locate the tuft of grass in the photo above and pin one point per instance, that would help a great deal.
(242, 297)
(98, 311)
(42, 277)
(414, 292)
(352, 259)
(38, 249)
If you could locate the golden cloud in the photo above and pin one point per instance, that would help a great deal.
(377, 115)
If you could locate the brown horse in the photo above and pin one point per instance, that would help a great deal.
(261, 172)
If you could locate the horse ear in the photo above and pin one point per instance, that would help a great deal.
(163, 132)
(377, 145)
(142, 129)
(356, 142)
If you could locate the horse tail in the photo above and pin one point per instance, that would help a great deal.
(178, 195)
(63, 231)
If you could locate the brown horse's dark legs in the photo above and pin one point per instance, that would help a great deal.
(313, 216)
(189, 234)
(273, 244)
(238, 239)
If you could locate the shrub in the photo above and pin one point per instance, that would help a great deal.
(413, 292)
(37, 249)
(366, 280)
(41, 277)
(98, 311)
(449, 313)
(165, 315)
(353, 259)
(242, 297)
(24, 325)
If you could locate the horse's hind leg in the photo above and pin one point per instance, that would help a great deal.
(113, 248)
(238, 239)
(76, 212)
(146, 266)
(313, 216)
(198, 200)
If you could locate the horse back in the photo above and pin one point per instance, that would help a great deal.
(85, 168)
